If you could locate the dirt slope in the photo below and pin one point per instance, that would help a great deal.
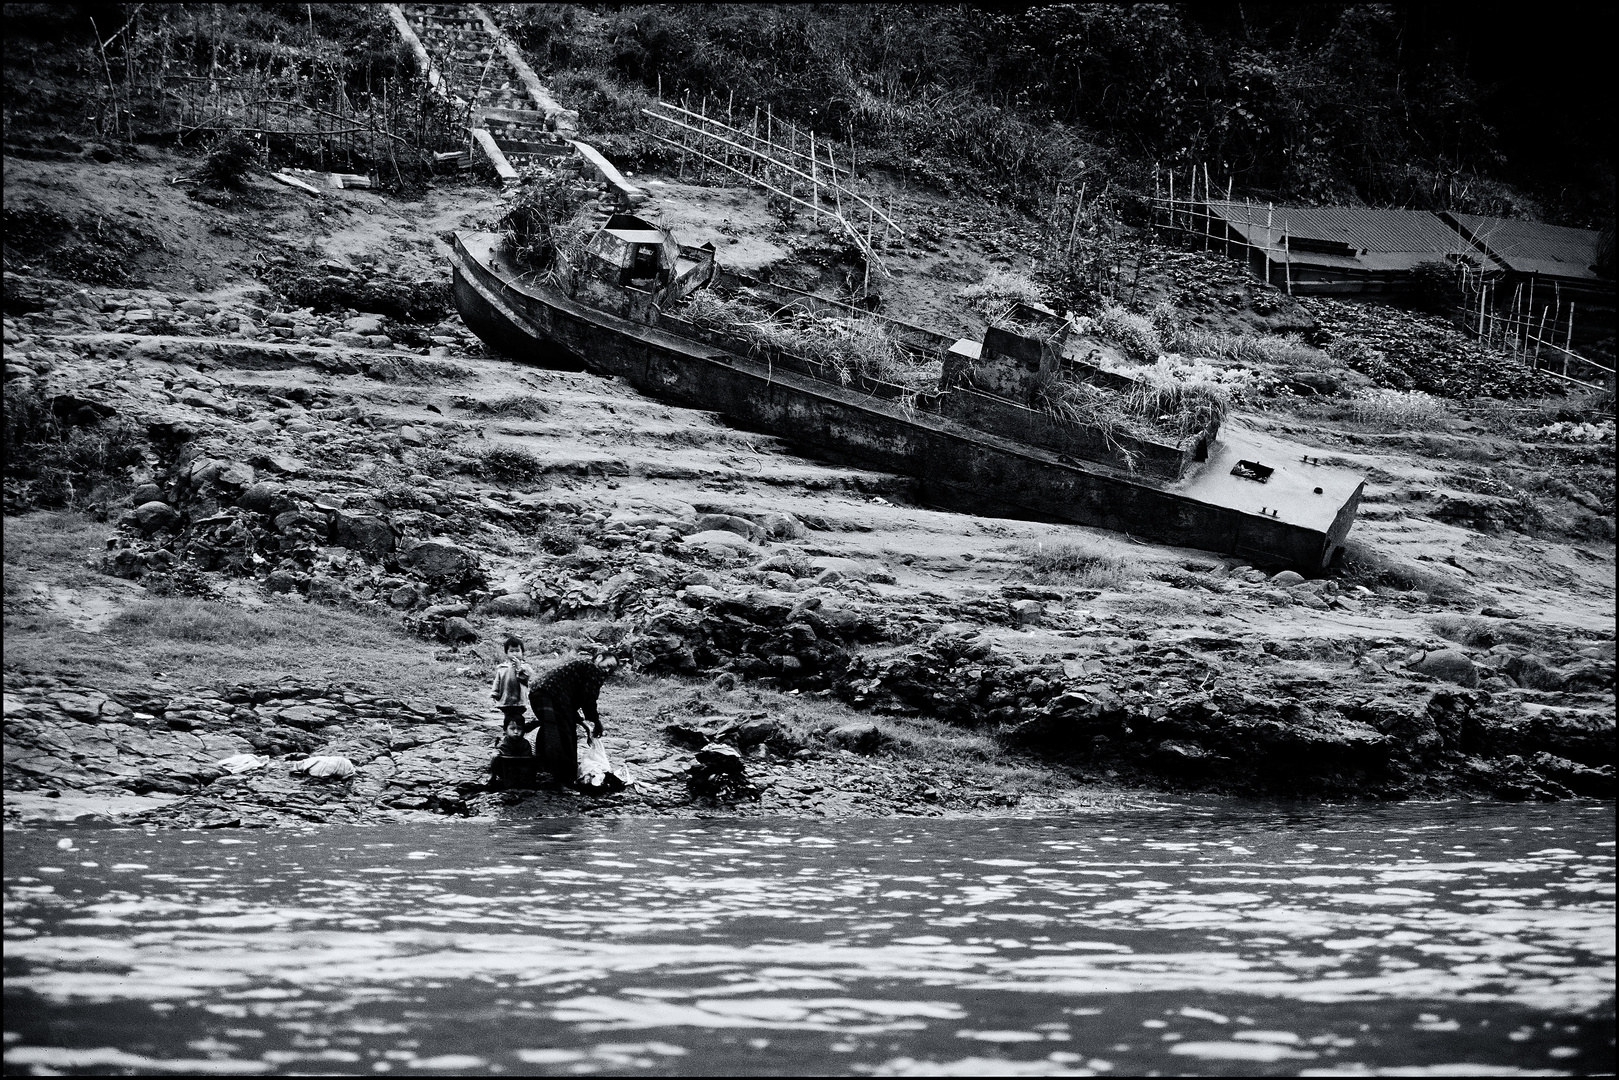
(377, 499)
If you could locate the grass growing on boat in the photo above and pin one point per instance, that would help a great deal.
(852, 347)
(1188, 401)
(1170, 402)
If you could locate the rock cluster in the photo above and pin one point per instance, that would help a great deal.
(246, 315)
(1244, 721)
(60, 736)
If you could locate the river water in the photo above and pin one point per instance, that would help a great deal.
(1202, 938)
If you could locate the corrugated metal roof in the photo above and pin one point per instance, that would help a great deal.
(1528, 247)
(1381, 240)
(1365, 228)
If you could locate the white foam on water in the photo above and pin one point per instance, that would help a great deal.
(107, 1057)
(1240, 1051)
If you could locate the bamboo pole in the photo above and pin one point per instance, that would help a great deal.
(683, 153)
(703, 128)
(815, 177)
(1268, 214)
(865, 285)
(1206, 198)
(837, 189)
(1529, 310)
(773, 161)
(1287, 255)
(853, 232)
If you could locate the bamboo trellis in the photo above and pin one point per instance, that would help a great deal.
(780, 167)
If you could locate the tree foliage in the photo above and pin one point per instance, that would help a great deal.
(1310, 102)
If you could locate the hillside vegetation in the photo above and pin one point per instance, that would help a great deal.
(1325, 103)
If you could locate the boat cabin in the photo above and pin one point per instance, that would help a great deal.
(1020, 349)
(633, 253)
(631, 266)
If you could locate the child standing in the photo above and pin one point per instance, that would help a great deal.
(510, 691)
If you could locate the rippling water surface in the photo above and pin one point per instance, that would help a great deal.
(1199, 939)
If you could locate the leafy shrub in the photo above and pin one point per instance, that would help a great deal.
(53, 463)
(549, 215)
(1409, 410)
(511, 465)
(1134, 334)
(229, 160)
(782, 209)
(560, 539)
(1436, 287)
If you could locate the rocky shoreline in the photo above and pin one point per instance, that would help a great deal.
(284, 460)
(152, 759)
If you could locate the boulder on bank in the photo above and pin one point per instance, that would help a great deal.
(457, 630)
(440, 561)
(511, 604)
(361, 532)
(1451, 665)
(152, 516)
(1533, 671)
(860, 738)
(721, 541)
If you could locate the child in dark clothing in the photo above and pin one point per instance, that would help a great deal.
(512, 680)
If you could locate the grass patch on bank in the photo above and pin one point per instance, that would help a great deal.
(1399, 410)
(45, 539)
(512, 466)
(1085, 563)
(198, 642)
(48, 547)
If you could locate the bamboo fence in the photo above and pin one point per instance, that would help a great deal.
(792, 163)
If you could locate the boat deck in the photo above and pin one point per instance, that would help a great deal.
(1255, 495)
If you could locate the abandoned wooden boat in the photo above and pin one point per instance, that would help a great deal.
(981, 438)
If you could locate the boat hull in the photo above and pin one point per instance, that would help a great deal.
(955, 467)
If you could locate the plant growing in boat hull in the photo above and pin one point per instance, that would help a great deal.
(852, 347)
(1188, 403)
(547, 217)
(1088, 406)
(1167, 403)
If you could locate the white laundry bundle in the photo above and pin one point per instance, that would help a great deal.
(339, 767)
(241, 763)
(595, 770)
